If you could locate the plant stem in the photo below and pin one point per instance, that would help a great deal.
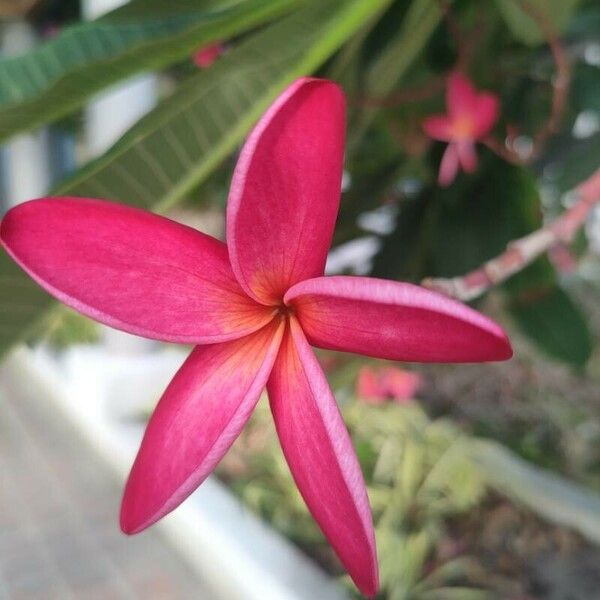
(522, 252)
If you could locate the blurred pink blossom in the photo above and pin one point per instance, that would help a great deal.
(378, 386)
(470, 117)
(207, 55)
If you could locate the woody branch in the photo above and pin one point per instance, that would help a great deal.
(522, 252)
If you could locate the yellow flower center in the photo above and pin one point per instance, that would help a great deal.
(462, 127)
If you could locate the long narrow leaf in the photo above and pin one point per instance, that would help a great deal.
(418, 25)
(185, 138)
(545, 493)
(58, 76)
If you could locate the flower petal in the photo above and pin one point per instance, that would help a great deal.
(368, 386)
(401, 385)
(449, 165)
(319, 452)
(438, 127)
(131, 269)
(285, 191)
(198, 418)
(467, 155)
(207, 55)
(486, 114)
(461, 97)
(397, 321)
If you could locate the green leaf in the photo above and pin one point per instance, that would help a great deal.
(455, 593)
(527, 29)
(479, 216)
(576, 161)
(56, 78)
(481, 213)
(69, 328)
(186, 137)
(417, 27)
(543, 492)
(23, 305)
(554, 322)
(584, 89)
(405, 253)
(455, 569)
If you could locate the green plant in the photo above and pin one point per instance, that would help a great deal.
(392, 58)
(418, 476)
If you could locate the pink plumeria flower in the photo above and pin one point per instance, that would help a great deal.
(253, 307)
(377, 387)
(207, 55)
(470, 117)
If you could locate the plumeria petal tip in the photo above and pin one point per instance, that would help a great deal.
(285, 190)
(319, 452)
(197, 419)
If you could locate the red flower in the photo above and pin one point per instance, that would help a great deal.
(377, 387)
(207, 55)
(253, 307)
(470, 117)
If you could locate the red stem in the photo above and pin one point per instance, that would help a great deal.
(524, 251)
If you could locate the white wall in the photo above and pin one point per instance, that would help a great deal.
(115, 110)
(26, 171)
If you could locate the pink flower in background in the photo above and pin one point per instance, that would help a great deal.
(253, 307)
(563, 259)
(379, 386)
(470, 117)
(207, 55)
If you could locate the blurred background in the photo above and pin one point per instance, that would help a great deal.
(484, 479)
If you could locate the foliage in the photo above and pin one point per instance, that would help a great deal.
(181, 142)
(518, 16)
(421, 475)
(544, 493)
(418, 476)
(60, 75)
(392, 58)
(66, 327)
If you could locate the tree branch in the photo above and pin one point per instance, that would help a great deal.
(524, 251)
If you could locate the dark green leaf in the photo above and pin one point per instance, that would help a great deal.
(549, 317)
(527, 29)
(417, 27)
(481, 213)
(575, 161)
(405, 253)
(57, 77)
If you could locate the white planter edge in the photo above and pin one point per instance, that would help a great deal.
(237, 555)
